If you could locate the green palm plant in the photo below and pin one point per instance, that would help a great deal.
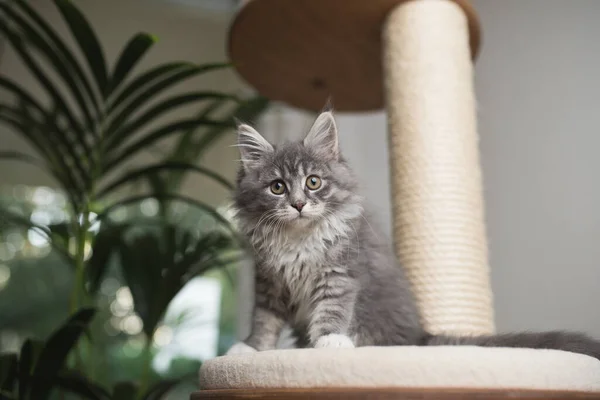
(40, 368)
(40, 365)
(98, 119)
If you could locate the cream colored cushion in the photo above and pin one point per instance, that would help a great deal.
(406, 366)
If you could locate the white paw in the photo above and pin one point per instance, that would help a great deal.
(333, 340)
(240, 348)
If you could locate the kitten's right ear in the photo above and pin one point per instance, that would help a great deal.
(323, 137)
(252, 145)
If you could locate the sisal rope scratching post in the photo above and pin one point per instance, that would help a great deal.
(436, 178)
(303, 52)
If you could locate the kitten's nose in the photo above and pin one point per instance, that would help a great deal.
(299, 205)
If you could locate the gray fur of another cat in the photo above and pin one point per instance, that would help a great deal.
(320, 267)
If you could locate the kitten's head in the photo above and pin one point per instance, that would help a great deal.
(298, 184)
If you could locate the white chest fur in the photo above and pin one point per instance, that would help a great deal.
(299, 257)
(298, 264)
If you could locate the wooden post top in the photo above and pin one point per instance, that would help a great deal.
(302, 52)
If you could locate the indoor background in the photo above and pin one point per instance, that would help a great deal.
(539, 122)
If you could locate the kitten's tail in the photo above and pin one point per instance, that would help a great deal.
(573, 342)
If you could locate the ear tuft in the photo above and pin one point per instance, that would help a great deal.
(252, 145)
(323, 137)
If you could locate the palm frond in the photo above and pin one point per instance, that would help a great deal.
(144, 172)
(130, 56)
(153, 136)
(64, 135)
(33, 37)
(119, 132)
(62, 50)
(87, 40)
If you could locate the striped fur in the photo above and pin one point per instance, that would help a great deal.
(324, 270)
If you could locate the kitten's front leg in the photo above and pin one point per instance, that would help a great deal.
(333, 313)
(266, 328)
(268, 318)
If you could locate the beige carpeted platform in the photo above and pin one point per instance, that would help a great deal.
(406, 367)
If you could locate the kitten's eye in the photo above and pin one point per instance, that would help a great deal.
(313, 182)
(278, 187)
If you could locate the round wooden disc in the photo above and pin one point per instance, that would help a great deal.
(305, 51)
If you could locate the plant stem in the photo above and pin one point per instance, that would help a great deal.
(147, 354)
(78, 284)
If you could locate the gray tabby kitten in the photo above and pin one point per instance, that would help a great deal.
(320, 267)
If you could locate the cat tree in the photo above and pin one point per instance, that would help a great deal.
(418, 57)
(415, 59)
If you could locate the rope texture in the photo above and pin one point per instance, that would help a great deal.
(436, 178)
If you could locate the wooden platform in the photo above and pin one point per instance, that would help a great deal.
(304, 52)
(388, 394)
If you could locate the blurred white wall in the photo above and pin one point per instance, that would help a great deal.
(537, 84)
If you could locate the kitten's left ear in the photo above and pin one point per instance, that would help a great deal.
(323, 136)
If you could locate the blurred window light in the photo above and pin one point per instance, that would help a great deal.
(149, 207)
(4, 275)
(191, 324)
(43, 196)
(41, 217)
(37, 238)
(7, 251)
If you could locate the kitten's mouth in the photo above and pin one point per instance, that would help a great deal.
(301, 218)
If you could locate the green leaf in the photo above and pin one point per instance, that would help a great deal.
(117, 132)
(182, 151)
(205, 252)
(58, 64)
(174, 74)
(60, 234)
(23, 123)
(130, 56)
(61, 105)
(157, 391)
(134, 103)
(9, 366)
(25, 369)
(26, 158)
(77, 384)
(156, 265)
(191, 149)
(216, 262)
(54, 354)
(167, 196)
(105, 245)
(9, 217)
(18, 126)
(144, 79)
(61, 49)
(125, 391)
(251, 109)
(30, 352)
(87, 41)
(21, 119)
(142, 263)
(152, 169)
(153, 136)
